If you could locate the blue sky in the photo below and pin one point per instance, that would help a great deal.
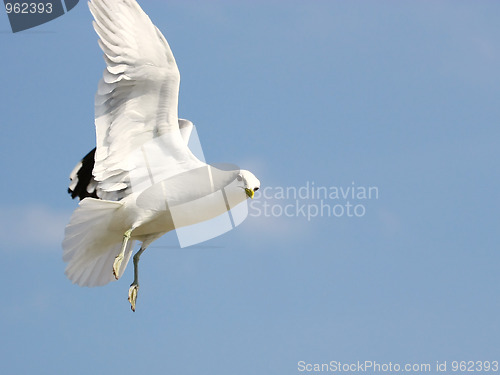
(398, 95)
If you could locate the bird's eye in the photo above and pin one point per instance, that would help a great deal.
(256, 189)
(239, 178)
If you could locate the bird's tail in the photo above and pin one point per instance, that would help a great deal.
(90, 245)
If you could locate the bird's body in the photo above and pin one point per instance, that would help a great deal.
(142, 180)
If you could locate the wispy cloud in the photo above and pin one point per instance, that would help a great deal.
(32, 227)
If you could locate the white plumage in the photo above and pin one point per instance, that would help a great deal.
(137, 97)
(143, 170)
(90, 253)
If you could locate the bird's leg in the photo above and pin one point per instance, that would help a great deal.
(134, 287)
(119, 258)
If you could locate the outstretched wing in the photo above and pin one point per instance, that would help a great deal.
(137, 97)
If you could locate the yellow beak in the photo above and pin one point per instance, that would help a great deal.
(249, 192)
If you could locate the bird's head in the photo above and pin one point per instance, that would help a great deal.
(248, 182)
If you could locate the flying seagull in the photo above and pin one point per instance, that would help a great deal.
(142, 180)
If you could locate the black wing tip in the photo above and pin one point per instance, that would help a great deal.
(84, 176)
(72, 193)
(82, 194)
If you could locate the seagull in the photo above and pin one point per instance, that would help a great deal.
(141, 180)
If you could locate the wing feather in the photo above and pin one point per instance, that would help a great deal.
(137, 96)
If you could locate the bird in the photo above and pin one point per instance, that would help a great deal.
(141, 180)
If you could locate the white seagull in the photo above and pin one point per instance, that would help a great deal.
(142, 169)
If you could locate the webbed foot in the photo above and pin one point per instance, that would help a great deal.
(132, 295)
(117, 265)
